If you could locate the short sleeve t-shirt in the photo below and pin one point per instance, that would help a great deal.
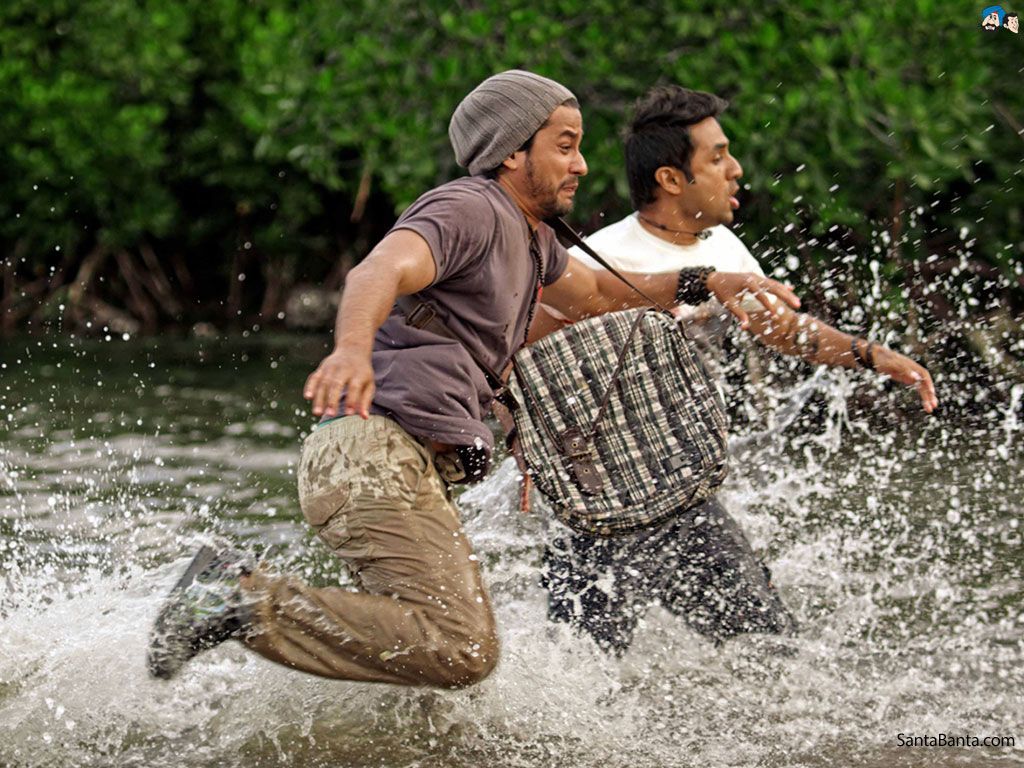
(628, 247)
(486, 279)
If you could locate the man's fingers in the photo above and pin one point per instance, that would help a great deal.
(927, 403)
(328, 393)
(367, 399)
(906, 371)
(339, 375)
(317, 389)
(737, 309)
(358, 397)
(332, 398)
(927, 389)
(784, 292)
(928, 400)
(350, 399)
(317, 394)
(310, 386)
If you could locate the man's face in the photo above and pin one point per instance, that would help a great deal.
(1013, 24)
(549, 171)
(991, 21)
(711, 199)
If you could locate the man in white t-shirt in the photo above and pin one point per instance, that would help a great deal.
(630, 242)
(633, 242)
(683, 183)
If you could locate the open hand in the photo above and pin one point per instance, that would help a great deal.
(341, 371)
(906, 371)
(731, 288)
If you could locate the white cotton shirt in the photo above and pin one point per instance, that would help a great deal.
(628, 247)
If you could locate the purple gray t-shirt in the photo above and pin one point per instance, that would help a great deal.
(485, 281)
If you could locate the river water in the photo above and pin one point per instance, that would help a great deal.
(896, 539)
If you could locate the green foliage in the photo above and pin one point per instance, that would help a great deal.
(204, 127)
(86, 90)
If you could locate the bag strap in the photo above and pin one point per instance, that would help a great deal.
(562, 228)
(615, 374)
(420, 314)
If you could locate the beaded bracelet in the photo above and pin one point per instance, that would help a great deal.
(865, 360)
(692, 288)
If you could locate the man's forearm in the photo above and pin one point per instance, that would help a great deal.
(366, 302)
(821, 344)
(582, 292)
(804, 336)
(615, 295)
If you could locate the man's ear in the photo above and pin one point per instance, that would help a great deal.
(670, 179)
(512, 161)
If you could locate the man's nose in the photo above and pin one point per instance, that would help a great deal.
(579, 165)
(737, 170)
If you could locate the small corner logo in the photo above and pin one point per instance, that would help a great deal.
(994, 17)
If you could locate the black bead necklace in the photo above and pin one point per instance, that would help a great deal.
(703, 234)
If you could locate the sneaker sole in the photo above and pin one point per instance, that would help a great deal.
(203, 558)
(160, 658)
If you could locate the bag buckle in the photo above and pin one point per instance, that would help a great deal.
(574, 446)
(421, 315)
(576, 449)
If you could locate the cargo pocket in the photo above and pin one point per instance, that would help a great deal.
(324, 480)
(336, 531)
(408, 463)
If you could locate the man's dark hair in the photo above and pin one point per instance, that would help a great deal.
(660, 135)
(1010, 16)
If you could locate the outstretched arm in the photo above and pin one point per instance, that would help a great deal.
(817, 342)
(584, 292)
(400, 264)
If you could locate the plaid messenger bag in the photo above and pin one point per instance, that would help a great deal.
(619, 425)
(617, 421)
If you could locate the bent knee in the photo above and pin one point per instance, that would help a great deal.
(472, 648)
(471, 668)
(471, 663)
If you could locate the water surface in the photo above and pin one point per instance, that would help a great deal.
(895, 538)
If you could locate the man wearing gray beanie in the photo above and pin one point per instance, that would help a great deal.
(500, 115)
(439, 305)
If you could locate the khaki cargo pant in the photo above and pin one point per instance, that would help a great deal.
(423, 616)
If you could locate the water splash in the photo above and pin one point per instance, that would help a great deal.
(896, 542)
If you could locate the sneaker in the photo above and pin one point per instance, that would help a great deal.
(206, 607)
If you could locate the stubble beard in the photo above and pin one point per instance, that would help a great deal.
(546, 199)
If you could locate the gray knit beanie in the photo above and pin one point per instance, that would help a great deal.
(499, 115)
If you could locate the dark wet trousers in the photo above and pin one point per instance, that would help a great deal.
(698, 565)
